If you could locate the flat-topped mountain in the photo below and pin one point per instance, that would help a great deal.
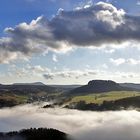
(98, 86)
(103, 83)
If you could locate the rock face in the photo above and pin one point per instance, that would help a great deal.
(102, 82)
(98, 86)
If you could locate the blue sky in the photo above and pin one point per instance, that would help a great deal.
(41, 42)
(15, 11)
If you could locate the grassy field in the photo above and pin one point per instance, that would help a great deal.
(108, 96)
(15, 98)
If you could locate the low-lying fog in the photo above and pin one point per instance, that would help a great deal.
(82, 125)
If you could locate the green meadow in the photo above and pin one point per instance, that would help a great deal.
(107, 96)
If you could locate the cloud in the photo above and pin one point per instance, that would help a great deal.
(138, 2)
(69, 74)
(49, 76)
(105, 66)
(38, 69)
(54, 58)
(129, 61)
(118, 61)
(91, 25)
(81, 125)
(126, 75)
(133, 61)
(6, 56)
(28, 71)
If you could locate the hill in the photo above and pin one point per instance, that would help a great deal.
(99, 86)
(131, 85)
(35, 84)
(34, 134)
(66, 87)
(120, 104)
(25, 89)
(99, 98)
(11, 95)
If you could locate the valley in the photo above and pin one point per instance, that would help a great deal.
(97, 95)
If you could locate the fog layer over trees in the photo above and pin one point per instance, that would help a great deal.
(81, 125)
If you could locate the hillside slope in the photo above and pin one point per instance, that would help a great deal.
(27, 89)
(99, 86)
(34, 134)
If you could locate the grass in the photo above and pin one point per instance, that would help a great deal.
(15, 98)
(22, 99)
(108, 96)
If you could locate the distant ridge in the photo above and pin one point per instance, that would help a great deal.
(131, 85)
(98, 86)
(34, 84)
(66, 87)
(27, 88)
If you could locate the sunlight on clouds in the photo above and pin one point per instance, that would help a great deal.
(95, 25)
(110, 34)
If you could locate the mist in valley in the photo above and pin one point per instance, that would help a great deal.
(81, 125)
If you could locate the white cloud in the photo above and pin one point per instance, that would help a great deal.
(28, 71)
(105, 66)
(110, 15)
(130, 61)
(38, 69)
(81, 125)
(118, 61)
(126, 75)
(6, 56)
(133, 61)
(138, 2)
(70, 74)
(94, 25)
(54, 58)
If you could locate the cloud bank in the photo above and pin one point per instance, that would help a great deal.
(91, 25)
(70, 74)
(118, 125)
(129, 61)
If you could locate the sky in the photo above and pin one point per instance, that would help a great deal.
(68, 41)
